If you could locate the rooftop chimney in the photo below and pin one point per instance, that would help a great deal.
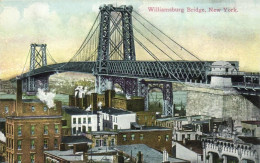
(19, 95)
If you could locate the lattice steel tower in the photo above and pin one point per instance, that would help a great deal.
(38, 56)
(126, 30)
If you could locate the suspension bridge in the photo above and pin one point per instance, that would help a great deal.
(118, 36)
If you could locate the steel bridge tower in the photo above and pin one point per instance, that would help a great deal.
(105, 33)
(104, 46)
(38, 59)
(130, 86)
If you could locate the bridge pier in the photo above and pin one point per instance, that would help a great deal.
(128, 85)
(31, 84)
(165, 87)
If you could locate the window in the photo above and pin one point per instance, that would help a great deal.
(97, 143)
(112, 142)
(19, 130)
(74, 130)
(32, 158)
(79, 130)
(64, 122)
(84, 129)
(133, 136)
(6, 109)
(159, 138)
(45, 130)
(74, 121)
(105, 142)
(45, 144)
(89, 129)
(166, 137)
(45, 108)
(32, 144)
(124, 137)
(55, 143)
(89, 120)
(84, 120)
(19, 144)
(56, 129)
(19, 158)
(32, 129)
(188, 136)
(141, 136)
(79, 120)
(33, 109)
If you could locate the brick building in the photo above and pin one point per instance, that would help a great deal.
(7, 107)
(159, 138)
(32, 129)
(146, 118)
(72, 149)
(103, 138)
(2, 151)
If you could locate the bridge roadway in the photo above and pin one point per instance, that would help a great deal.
(164, 70)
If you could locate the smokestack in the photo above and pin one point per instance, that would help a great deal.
(19, 95)
(109, 95)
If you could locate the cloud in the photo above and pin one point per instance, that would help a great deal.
(9, 18)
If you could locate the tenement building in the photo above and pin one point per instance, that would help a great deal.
(159, 138)
(32, 129)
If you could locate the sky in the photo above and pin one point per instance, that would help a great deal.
(63, 25)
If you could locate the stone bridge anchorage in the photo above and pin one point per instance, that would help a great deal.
(109, 53)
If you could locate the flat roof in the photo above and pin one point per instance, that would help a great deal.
(7, 99)
(76, 111)
(32, 101)
(115, 111)
(103, 133)
(65, 155)
(251, 122)
(149, 154)
(146, 128)
(75, 140)
(33, 117)
(194, 145)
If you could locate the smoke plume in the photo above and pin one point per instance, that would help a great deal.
(46, 97)
(2, 137)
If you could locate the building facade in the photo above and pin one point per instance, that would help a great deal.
(77, 121)
(114, 119)
(32, 129)
(103, 138)
(146, 118)
(158, 138)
